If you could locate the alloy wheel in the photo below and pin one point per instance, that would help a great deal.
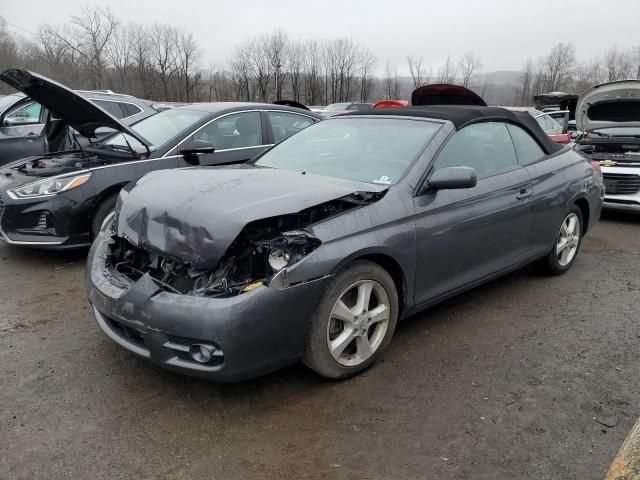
(568, 240)
(358, 323)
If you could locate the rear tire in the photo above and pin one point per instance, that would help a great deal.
(567, 245)
(354, 321)
(106, 207)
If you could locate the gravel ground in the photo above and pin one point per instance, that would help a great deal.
(527, 377)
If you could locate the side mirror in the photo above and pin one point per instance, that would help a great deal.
(195, 148)
(450, 178)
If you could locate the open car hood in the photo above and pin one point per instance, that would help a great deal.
(612, 104)
(194, 214)
(445, 94)
(78, 112)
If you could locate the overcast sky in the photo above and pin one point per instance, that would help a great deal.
(503, 32)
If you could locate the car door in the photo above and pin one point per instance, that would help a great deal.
(237, 137)
(548, 176)
(21, 131)
(464, 236)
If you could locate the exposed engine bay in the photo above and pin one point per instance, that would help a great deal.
(60, 163)
(262, 249)
(626, 152)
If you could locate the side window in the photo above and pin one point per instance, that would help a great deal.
(486, 147)
(286, 124)
(130, 109)
(28, 114)
(527, 148)
(238, 130)
(113, 108)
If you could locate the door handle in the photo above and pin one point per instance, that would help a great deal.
(31, 137)
(524, 193)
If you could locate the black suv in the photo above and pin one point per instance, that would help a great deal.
(26, 128)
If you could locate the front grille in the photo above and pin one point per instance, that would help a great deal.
(131, 334)
(621, 184)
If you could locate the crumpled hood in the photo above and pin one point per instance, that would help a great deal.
(195, 214)
(613, 104)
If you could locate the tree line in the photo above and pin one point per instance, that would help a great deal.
(96, 50)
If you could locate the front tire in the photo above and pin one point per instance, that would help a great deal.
(354, 321)
(567, 245)
(106, 207)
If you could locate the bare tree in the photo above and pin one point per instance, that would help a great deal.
(559, 65)
(391, 82)
(186, 60)
(312, 72)
(163, 53)
(367, 62)
(119, 52)
(416, 68)
(618, 64)
(296, 56)
(526, 80)
(447, 73)
(469, 64)
(276, 51)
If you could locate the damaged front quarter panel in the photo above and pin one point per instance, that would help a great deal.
(179, 255)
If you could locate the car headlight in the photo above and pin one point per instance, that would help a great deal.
(49, 186)
(278, 259)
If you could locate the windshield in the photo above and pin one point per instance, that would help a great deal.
(6, 102)
(334, 107)
(158, 129)
(370, 150)
(618, 131)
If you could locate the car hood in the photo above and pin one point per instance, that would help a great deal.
(78, 112)
(613, 104)
(445, 94)
(194, 214)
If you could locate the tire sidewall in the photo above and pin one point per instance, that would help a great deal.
(105, 207)
(317, 355)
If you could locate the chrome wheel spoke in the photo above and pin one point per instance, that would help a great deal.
(341, 342)
(364, 297)
(363, 347)
(562, 244)
(379, 314)
(342, 312)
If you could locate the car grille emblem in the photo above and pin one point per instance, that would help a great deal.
(608, 163)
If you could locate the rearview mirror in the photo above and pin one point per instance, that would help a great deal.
(195, 148)
(449, 178)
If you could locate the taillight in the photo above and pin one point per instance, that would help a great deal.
(596, 165)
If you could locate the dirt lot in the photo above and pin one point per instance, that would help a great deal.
(502, 382)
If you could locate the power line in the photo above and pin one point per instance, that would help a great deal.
(20, 28)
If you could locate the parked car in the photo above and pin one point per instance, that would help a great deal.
(550, 123)
(608, 116)
(391, 104)
(26, 129)
(317, 247)
(60, 200)
(345, 107)
(445, 94)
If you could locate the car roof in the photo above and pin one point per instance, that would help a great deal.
(462, 115)
(223, 107)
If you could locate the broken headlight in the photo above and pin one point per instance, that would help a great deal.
(49, 186)
(278, 259)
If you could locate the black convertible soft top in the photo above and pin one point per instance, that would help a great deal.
(463, 115)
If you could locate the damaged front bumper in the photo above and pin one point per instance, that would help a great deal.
(247, 335)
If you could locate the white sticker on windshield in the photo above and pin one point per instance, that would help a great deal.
(384, 180)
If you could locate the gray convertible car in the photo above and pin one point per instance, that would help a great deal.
(315, 249)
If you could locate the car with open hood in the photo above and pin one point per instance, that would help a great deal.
(318, 246)
(27, 128)
(59, 200)
(608, 116)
